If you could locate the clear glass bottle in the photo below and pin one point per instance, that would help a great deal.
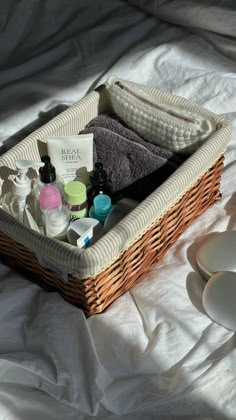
(47, 176)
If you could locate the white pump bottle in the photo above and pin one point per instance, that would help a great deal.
(22, 185)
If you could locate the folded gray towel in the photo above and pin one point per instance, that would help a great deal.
(127, 157)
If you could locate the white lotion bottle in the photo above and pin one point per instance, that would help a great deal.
(16, 200)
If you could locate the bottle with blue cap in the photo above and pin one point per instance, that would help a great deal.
(98, 183)
(101, 207)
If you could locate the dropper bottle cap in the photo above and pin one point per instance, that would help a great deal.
(99, 175)
(47, 173)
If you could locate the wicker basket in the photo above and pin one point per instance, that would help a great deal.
(93, 278)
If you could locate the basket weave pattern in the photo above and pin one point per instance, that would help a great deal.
(94, 294)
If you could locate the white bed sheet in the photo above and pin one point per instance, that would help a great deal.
(154, 353)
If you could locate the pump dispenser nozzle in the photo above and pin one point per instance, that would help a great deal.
(22, 183)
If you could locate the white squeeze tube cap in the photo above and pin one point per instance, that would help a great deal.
(22, 183)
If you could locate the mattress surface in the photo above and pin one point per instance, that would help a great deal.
(154, 353)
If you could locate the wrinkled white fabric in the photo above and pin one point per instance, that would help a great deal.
(211, 15)
(154, 353)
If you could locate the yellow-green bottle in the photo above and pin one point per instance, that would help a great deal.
(75, 199)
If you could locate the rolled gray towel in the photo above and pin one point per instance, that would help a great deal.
(127, 157)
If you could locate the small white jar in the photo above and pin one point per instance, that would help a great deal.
(57, 222)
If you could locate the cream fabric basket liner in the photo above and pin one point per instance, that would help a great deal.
(90, 262)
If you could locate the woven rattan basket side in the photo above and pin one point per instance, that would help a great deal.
(94, 294)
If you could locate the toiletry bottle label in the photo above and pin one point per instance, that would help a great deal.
(77, 211)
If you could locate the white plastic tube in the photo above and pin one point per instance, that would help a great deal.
(72, 156)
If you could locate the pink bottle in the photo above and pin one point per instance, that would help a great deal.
(49, 196)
